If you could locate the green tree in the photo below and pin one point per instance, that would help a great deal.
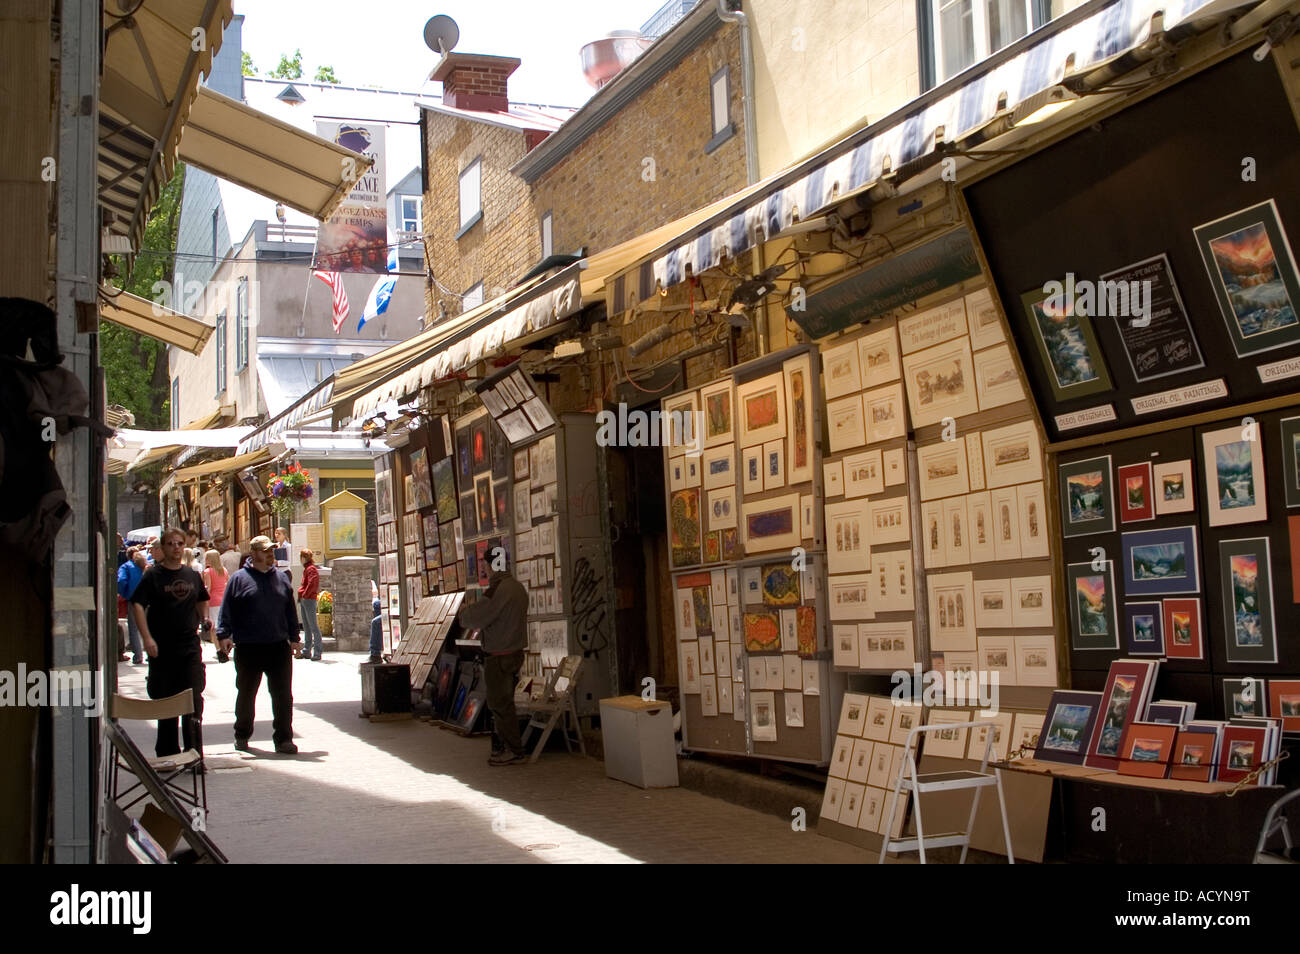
(325, 74)
(246, 64)
(290, 69)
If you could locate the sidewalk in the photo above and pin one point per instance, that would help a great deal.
(411, 792)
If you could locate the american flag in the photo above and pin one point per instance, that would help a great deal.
(341, 307)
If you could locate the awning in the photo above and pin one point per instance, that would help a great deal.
(1083, 40)
(259, 152)
(138, 448)
(156, 321)
(227, 465)
(150, 77)
(538, 306)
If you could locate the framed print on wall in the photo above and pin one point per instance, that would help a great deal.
(1005, 507)
(847, 537)
(752, 468)
(1031, 601)
(889, 520)
(884, 413)
(862, 475)
(1291, 460)
(942, 469)
(997, 380)
(685, 527)
(1172, 487)
(1033, 525)
(1092, 598)
(1246, 577)
(799, 406)
(1136, 497)
(940, 382)
(952, 612)
(1161, 561)
(841, 370)
(1035, 660)
(1087, 503)
(681, 410)
(1234, 477)
(1012, 455)
(879, 357)
(833, 478)
(1253, 273)
(718, 465)
(982, 316)
(722, 508)
(717, 404)
(1144, 631)
(774, 465)
(1066, 345)
(845, 424)
(771, 524)
(1182, 625)
(761, 407)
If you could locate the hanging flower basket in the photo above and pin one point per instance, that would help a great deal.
(288, 489)
(325, 612)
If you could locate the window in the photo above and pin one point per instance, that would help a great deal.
(215, 213)
(241, 326)
(967, 31)
(720, 109)
(221, 353)
(411, 207)
(547, 248)
(472, 299)
(176, 404)
(471, 205)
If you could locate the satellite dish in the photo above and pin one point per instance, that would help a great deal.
(441, 34)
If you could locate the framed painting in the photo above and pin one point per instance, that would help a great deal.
(762, 632)
(1087, 503)
(480, 451)
(942, 469)
(718, 465)
(1161, 561)
(761, 407)
(863, 475)
(1092, 595)
(722, 509)
(1066, 344)
(1253, 273)
(833, 478)
(799, 406)
(979, 521)
(717, 403)
(847, 537)
(383, 496)
(521, 463)
(1284, 703)
(889, 520)
(444, 489)
(1290, 460)
(752, 468)
(952, 612)
(997, 379)
(774, 465)
(1136, 494)
(1005, 507)
(879, 357)
(982, 317)
(346, 529)
(1172, 487)
(771, 524)
(1128, 689)
(1144, 632)
(1184, 637)
(940, 382)
(1031, 602)
(1246, 577)
(684, 527)
(681, 412)
(1234, 477)
(846, 427)
(841, 370)
(850, 597)
(1012, 455)
(884, 413)
(1033, 523)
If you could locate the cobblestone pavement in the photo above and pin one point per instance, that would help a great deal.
(409, 791)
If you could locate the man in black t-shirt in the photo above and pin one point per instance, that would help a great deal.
(168, 605)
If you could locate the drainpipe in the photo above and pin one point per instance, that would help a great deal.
(727, 15)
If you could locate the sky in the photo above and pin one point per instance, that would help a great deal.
(381, 43)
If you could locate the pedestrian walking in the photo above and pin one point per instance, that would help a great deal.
(168, 605)
(307, 594)
(215, 579)
(129, 575)
(502, 616)
(259, 622)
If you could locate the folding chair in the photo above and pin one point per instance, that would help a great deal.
(170, 769)
(555, 705)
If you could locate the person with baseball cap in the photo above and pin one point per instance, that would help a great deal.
(259, 621)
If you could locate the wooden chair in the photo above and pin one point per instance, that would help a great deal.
(171, 769)
(555, 705)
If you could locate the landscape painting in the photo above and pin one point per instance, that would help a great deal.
(1161, 561)
(1247, 628)
(1092, 606)
(1067, 345)
(1066, 733)
(1086, 497)
(1234, 477)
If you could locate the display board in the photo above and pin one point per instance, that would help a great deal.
(1197, 219)
(424, 638)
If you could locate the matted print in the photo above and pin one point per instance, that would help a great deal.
(718, 465)
(717, 403)
(1066, 344)
(1087, 503)
(884, 413)
(1092, 596)
(681, 412)
(1172, 488)
(1144, 629)
(845, 424)
(761, 408)
(1033, 522)
(1136, 493)
(1067, 726)
(1246, 579)
(1012, 455)
(940, 383)
(1234, 476)
(1161, 561)
(863, 475)
(841, 370)
(982, 317)
(997, 379)
(952, 612)
(771, 524)
(1005, 506)
(848, 537)
(880, 357)
(942, 469)
(1184, 638)
(799, 406)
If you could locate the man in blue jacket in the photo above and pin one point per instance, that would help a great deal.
(129, 575)
(259, 621)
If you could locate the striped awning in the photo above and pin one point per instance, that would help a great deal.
(1076, 44)
(155, 320)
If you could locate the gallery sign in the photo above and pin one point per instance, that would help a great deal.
(1101, 414)
(924, 270)
(1192, 394)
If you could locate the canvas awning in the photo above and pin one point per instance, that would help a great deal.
(154, 320)
(1011, 85)
(227, 465)
(152, 63)
(249, 148)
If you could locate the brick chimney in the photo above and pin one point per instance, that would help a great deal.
(475, 81)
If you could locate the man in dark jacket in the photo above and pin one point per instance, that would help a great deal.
(129, 575)
(168, 603)
(259, 621)
(502, 617)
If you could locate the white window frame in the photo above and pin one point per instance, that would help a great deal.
(418, 218)
(548, 235)
(472, 298)
(720, 100)
(220, 333)
(979, 31)
(468, 216)
(176, 403)
(241, 325)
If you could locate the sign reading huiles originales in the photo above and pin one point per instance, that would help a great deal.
(920, 271)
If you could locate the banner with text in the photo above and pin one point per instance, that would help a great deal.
(355, 238)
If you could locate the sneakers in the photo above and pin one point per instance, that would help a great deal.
(241, 745)
(222, 656)
(505, 758)
(286, 748)
(316, 659)
(375, 660)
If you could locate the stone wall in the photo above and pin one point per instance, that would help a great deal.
(353, 609)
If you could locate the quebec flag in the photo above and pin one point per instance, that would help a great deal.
(377, 301)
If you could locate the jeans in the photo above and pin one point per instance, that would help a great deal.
(500, 674)
(310, 629)
(169, 675)
(133, 636)
(275, 660)
(377, 636)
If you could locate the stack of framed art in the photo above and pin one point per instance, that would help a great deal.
(870, 747)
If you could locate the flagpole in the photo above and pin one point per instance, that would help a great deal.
(311, 273)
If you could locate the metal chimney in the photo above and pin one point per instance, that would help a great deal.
(605, 58)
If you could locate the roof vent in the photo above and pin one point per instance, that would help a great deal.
(291, 96)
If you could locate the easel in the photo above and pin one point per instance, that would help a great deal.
(557, 704)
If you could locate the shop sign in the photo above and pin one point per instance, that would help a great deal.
(1192, 394)
(1092, 415)
(1279, 370)
(921, 271)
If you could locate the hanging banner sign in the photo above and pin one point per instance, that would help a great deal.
(355, 237)
(924, 270)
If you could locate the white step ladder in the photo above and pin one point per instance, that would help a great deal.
(910, 779)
